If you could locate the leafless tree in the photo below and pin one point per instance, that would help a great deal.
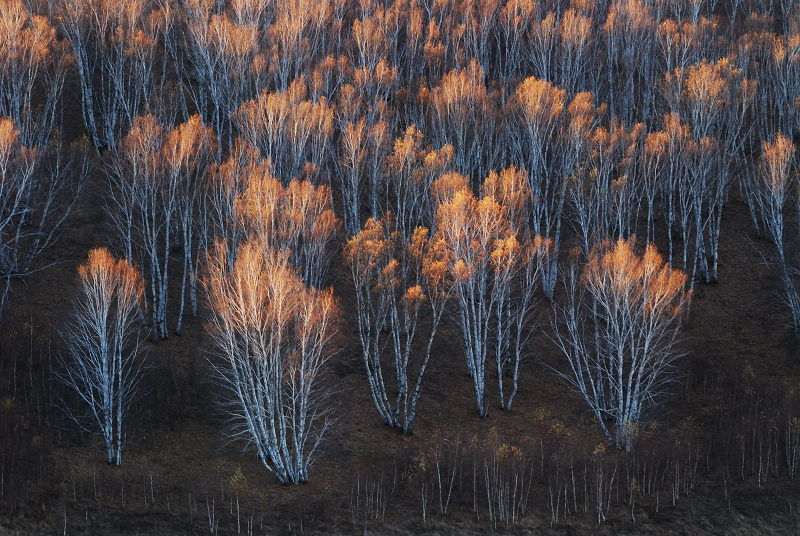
(38, 190)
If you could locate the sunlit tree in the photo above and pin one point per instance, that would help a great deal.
(33, 66)
(713, 99)
(227, 181)
(187, 151)
(517, 263)
(410, 171)
(540, 113)
(463, 116)
(776, 183)
(155, 182)
(606, 192)
(116, 46)
(397, 282)
(225, 57)
(629, 37)
(296, 221)
(618, 330)
(272, 335)
(496, 264)
(289, 129)
(103, 360)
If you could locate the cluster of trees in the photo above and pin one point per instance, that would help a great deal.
(450, 152)
(39, 178)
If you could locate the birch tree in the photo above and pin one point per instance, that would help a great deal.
(225, 58)
(477, 232)
(291, 130)
(39, 186)
(296, 221)
(776, 183)
(103, 362)
(33, 66)
(462, 116)
(618, 331)
(517, 263)
(271, 335)
(397, 283)
(116, 46)
(539, 108)
(187, 151)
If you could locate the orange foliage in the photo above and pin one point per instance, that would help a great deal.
(576, 30)
(540, 101)
(510, 188)
(622, 279)
(776, 162)
(186, 145)
(105, 276)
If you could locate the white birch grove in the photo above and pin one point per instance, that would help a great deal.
(517, 263)
(539, 113)
(463, 116)
(291, 130)
(156, 178)
(33, 66)
(104, 357)
(271, 335)
(116, 47)
(496, 264)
